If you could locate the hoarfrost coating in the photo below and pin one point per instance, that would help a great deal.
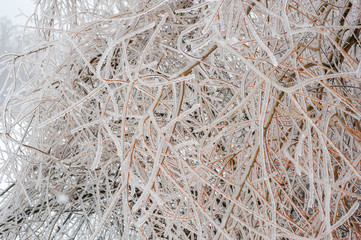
(183, 119)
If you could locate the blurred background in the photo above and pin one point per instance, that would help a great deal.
(13, 17)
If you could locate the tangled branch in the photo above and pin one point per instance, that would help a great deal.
(185, 120)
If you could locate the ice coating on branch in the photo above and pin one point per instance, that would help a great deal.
(232, 40)
(293, 160)
(299, 147)
(359, 69)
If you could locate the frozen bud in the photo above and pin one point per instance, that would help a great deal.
(63, 198)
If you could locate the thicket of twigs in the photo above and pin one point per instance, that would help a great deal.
(180, 119)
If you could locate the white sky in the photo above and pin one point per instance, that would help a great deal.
(10, 8)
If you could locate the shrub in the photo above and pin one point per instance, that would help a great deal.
(185, 120)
